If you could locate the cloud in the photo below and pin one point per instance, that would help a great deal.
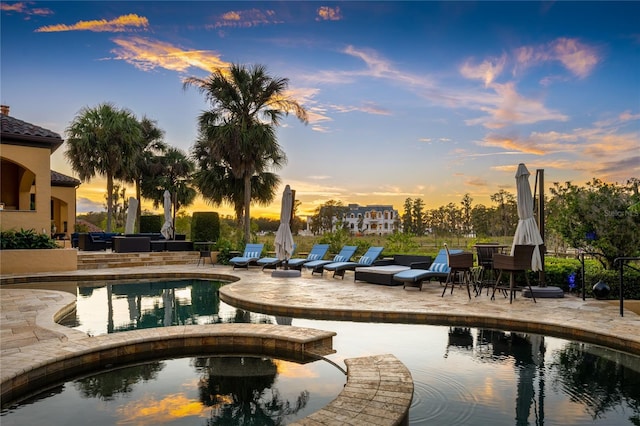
(120, 24)
(368, 107)
(147, 54)
(620, 169)
(477, 182)
(577, 57)
(24, 9)
(512, 144)
(486, 71)
(244, 19)
(86, 205)
(512, 108)
(326, 13)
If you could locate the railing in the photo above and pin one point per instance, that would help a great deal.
(622, 261)
(581, 255)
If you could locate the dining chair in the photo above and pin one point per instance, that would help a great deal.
(485, 261)
(460, 265)
(518, 262)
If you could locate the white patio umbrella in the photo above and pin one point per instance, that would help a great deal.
(132, 209)
(167, 227)
(284, 239)
(527, 232)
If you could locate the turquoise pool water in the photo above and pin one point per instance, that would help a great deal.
(462, 376)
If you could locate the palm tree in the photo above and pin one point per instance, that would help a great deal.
(218, 184)
(173, 172)
(246, 105)
(103, 141)
(153, 145)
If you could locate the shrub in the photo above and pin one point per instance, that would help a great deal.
(336, 240)
(25, 239)
(558, 272)
(151, 223)
(224, 248)
(205, 226)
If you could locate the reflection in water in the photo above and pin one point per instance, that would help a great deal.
(485, 376)
(241, 391)
(599, 383)
(107, 386)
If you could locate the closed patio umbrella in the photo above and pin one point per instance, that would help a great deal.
(132, 209)
(527, 232)
(284, 239)
(167, 227)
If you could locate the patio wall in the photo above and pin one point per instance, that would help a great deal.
(38, 260)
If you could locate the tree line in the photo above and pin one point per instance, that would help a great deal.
(463, 219)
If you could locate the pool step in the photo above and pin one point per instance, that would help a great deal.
(102, 260)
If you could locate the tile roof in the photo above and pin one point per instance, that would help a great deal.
(20, 132)
(58, 179)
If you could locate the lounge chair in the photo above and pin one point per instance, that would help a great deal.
(317, 252)
(272, 262)
(415, 277)
(251, 254)
(339, 268)
(344, 256)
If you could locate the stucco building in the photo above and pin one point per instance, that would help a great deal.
(32, 196)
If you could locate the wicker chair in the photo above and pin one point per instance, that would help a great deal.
(518, 262)
(460, 265)
(485, 261)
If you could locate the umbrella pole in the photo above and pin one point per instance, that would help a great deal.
(542, 248)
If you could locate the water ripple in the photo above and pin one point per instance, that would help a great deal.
(441, 400)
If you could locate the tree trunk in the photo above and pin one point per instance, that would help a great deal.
(247, 203)
(109, 201)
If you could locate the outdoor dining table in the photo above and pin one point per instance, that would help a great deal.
(204, 247)
(486, 263)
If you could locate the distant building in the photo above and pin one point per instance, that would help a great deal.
(369, 220)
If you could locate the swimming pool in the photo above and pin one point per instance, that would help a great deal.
(461, 375)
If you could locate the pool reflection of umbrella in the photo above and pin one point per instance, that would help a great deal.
(284, 239)
(167, 227)
(527, 232)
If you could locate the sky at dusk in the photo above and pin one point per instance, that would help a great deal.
(427, 100)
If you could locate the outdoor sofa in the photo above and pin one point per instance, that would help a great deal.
(94, 241)
(383, 270)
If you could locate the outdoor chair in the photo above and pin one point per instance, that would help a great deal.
(518, 262)
(344, 256)
(339, 268)
(416, 277)
(485, 262)
(251, 254)
(272, 262)
(318, 251)
(460, 265)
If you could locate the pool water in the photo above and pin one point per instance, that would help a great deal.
(462, 376)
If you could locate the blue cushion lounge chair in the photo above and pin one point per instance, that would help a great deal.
(272, 262)
(252, 253)
(317, 252)
(339, 268)
(344, 256)
(438, 269)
